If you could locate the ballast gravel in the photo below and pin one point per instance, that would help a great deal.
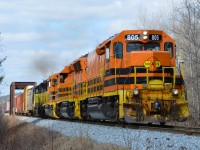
(134, 139)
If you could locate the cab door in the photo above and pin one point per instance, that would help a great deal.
(113, 63)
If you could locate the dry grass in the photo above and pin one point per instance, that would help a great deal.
(17, 135)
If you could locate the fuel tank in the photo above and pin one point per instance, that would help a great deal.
(49, 110)
(67, 110)
(100, 110)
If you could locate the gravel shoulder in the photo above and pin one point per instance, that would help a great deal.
(18, 134)
(130, 138)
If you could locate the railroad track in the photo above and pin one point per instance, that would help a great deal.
(194, 131)
(187, 130)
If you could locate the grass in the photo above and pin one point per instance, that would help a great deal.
(17, 135)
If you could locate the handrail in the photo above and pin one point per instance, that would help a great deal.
(135, 72)
(163, 75)
(174, 75)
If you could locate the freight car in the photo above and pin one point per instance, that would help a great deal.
(130, 77)
(24, 101)
(19, 100)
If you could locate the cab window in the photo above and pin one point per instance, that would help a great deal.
(169, 47)
(54, 82)
(36, 91)
(107, 54)
(49, 83)
(118, 49)
(152, 46)
(63, 76)
(133, 47)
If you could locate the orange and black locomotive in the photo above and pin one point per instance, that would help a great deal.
(129, 77)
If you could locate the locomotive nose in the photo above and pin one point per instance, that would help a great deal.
(149, 59)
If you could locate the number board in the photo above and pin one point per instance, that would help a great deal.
(132, 37)
(155, 37)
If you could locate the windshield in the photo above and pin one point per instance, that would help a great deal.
(137, 46)
(133, 47)
(152, 46)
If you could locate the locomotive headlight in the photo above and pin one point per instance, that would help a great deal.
(145, 37)
(135, 92)
(145, 33)
(175, 91)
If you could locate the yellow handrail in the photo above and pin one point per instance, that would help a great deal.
(135, 72)
(135, 68)
(174, 75)
(163, 75)
(174, 69)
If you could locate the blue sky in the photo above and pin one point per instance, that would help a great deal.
(39, 38)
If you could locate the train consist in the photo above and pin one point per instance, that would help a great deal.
(130, 77)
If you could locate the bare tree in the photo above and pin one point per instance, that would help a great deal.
(157, 20)
(186, 28)
(2, 76)
(1, 61)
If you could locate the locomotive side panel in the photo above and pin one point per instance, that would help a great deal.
(96, 68)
